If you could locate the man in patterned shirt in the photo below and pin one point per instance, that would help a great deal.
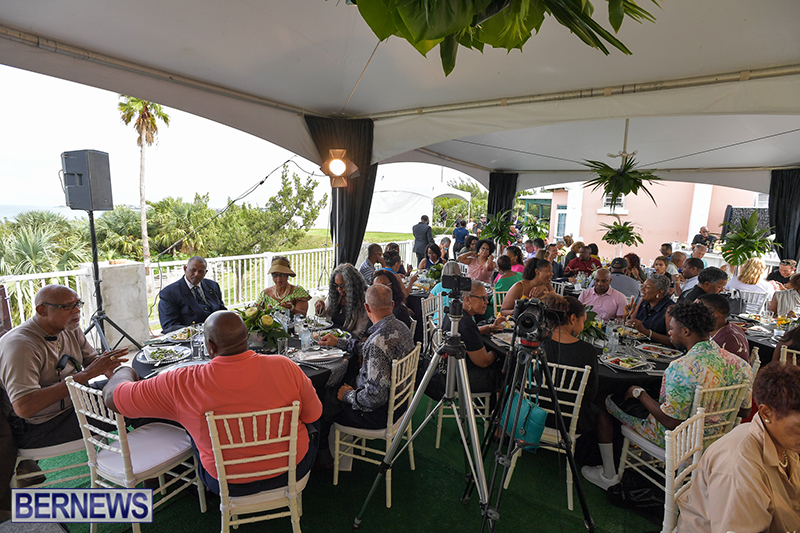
(365, 404)
(705, 364)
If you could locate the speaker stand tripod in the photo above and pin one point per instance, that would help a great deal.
(99, 318)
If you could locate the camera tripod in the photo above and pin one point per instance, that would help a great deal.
(99, 317)
(522, 356)
(457, 383)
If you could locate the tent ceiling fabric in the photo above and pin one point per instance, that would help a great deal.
(258, 66)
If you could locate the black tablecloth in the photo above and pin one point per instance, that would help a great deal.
(414, 303)
(766, 347)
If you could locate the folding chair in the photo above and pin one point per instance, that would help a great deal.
(404, 372)
(150, 451)
(252, 437)
(48, 452)
(570, 384)
(788, 355)
(413, 326)
(499, 296)
(480, 405)
(431, 317)
(755, 361)
(754, 301)
(684, 447)
(559, 287)
(720, 405)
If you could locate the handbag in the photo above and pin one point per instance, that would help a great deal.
(531, 421)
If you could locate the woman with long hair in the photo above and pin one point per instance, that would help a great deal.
(433, 257)
(480, 263)
(345, 302)
(787, 300)
(635, 269)
(391, 280)
(535, 283)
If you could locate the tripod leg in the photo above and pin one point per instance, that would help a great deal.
(472, 427)
(122, 332)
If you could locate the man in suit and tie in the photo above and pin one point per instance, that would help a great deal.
(423, 236)
(190, 299)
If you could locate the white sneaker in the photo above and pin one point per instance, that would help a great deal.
(595, 476)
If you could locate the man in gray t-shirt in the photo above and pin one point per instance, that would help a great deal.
(621, 281)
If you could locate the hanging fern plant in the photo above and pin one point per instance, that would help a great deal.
(621, 181)
(621, 233)
(498, 228)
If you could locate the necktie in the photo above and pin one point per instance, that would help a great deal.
(201, 300)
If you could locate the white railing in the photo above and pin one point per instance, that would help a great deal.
(21, 291)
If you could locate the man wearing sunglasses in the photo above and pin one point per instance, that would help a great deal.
(35, 359)
(191, 299)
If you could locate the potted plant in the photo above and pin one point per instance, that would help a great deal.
(621, 233)
(745, 240)
(621, 181)
(498, 228)
(535, 229)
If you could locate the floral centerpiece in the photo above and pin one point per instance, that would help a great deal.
(259, 321)
(435, 272)
(592, 328)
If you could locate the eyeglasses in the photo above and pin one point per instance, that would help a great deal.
(484, 298)
(339, 286)
(279, 275)
(66, 307)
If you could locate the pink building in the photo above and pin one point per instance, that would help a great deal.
(680, 210)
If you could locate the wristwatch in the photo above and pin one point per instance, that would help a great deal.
(637, 392)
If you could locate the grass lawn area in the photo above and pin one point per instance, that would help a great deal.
(316, 239)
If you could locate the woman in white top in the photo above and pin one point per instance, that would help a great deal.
(787, 300)
(749, 278)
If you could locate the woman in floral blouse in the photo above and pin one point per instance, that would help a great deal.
(292, 297)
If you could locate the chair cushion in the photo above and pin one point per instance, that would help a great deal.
(52, 451)
(151, 446)
(369, 433)
(265, 496)
(653, 449)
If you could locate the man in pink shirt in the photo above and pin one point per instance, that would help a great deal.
(605, 300)
(236, 380)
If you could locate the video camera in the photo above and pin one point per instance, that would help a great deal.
(457, 283)
(529, 317)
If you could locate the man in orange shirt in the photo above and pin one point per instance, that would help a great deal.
(236, 380)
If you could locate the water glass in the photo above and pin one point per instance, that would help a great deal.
(766, 317)
(283, 344)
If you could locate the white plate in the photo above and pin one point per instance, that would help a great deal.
(607, 359)
(172, 336)
(659, 352)
(181, 352)
(184, 364)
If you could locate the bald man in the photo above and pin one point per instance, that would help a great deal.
(236, 380)
(676, 263)
(704, 238)
(35, 359)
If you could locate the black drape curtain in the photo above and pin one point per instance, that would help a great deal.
(784, 211)
(349, 205)
(502, 188)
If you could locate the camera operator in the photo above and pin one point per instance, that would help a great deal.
(484, 373)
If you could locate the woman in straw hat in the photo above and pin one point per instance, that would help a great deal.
(292, 297)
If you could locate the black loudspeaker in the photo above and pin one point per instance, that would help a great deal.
(87, 180)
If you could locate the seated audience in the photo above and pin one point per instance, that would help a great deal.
(790, 339)
(484, 374)
(676, 263)
(698, 252)
(649, 315)
(704, 238)
(575, 248)
(711, 280)
(530, 250)
(433, 256)
(704, 364)
(594, 250)
(635, 269)
(728, 336)
(748, 480)
(374, 255)
(293, 298)
(666, 250)
(621, 281)
(444, 247)
(236, 380)
(480, 263)
(35, 359)
(688, 277)
(517, 262)
(552, 257)
(660, 264)
(190, 299)
(364, 403)
(583, 263)
(394, 264)
(507, 277)
(391, 280)
(469, 244)
(606, 301)
(786, 301)
(450, 268)
(749, 278)
(784, 272)
(535, 283)
(345, 303)
(565, 348)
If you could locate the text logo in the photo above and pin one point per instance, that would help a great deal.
(82, 505)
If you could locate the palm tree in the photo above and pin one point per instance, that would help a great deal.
(147, 115)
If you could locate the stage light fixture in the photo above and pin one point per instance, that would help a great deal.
(338, 167)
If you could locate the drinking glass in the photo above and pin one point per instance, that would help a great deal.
(283, 344)
(766, 317)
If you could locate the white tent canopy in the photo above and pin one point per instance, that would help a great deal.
(707, 75)
(398, 204)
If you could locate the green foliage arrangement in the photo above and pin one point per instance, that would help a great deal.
(621, 181)
(260, 320)
(744, 240)
(435, 272)
(534, 229)
(498, 228)
(592, 328)
(505, 24)
(456, 206)
(621, 233)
